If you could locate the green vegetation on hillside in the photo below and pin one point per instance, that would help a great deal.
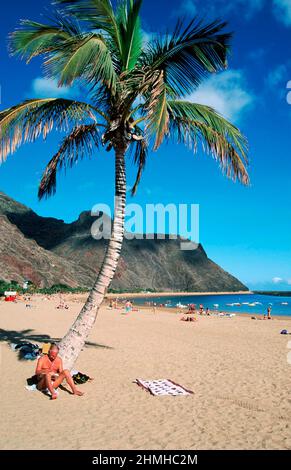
(32, 289)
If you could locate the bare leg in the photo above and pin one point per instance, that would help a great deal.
(49, 385)
(41, 384)
(66, 375)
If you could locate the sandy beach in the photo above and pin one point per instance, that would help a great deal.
(236, 367)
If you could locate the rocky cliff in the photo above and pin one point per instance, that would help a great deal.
(48, 251)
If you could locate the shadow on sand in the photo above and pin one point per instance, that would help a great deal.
(13, 336)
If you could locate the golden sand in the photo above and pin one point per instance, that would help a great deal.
(236, 367)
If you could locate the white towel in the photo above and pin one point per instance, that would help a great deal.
(31, 388)
(163, 387)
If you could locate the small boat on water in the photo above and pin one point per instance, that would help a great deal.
(284, 303)
(235, 304)
(180, 305)
(216, 305)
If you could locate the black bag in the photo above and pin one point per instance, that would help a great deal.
(32, 380)
(80, 378)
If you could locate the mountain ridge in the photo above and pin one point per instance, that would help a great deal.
(52, 251)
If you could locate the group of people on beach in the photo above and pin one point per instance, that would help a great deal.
(50, 373)
(202, 311)
(192, 309)
(128, 306)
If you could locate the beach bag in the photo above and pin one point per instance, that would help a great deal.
(80, 378)
(29, 351)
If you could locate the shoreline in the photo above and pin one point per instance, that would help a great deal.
(81, 298)
(213, 313)
(171, 294)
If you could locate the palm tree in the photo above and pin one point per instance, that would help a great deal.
(135, 103)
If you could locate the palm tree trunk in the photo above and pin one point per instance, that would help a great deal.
(74, 340)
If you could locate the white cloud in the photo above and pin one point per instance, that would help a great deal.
(227, 93)
(278, 82)
(278, 75)
(48, 88)
(277, 280)
(282, 10)
(219, 8)
(188, 6)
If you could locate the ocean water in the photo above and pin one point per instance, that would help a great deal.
(248, 303)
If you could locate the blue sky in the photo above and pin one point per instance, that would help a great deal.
(245, 230)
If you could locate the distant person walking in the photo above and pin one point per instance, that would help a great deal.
(268, 316)
(128, 306)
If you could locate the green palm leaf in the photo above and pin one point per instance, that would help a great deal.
(33, 118)
(130, 33)
(189, 55)
(82, 141)
(130, 86)
(190, 122)
(157, 110)
(99, 14)
(34, 39)
(86, 57)
(140, 154)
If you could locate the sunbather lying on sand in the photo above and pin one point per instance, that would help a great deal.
(188, 319)
(50, 373)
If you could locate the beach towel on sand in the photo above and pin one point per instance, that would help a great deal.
(163, 387)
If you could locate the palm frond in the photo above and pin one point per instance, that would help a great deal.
(157, 110)
(79, 143)
(99, 14)
(130, 32)
(140, 157)
(190, 123)
(33, 118)
(34, 39)
(189, 55)
(86, 57)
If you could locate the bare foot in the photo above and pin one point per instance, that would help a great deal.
(80, 394)
(54, 396)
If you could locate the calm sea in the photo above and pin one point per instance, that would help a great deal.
(246, 303)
